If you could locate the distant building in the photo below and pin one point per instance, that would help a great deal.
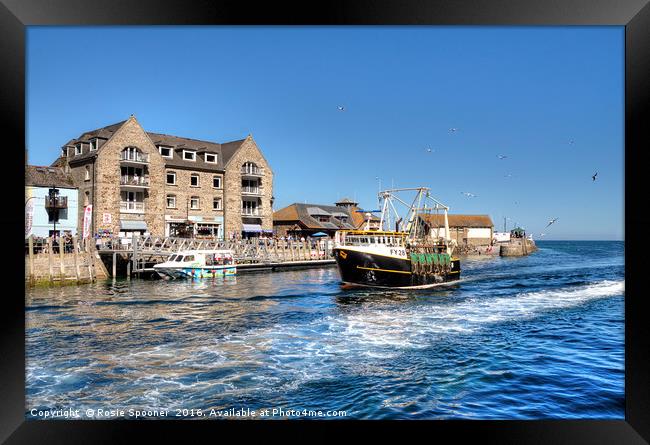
(307, 219)
(359, 217)
(164, 185)
(41, 209)
(473, 230)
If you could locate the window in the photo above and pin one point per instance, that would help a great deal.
(165, 152)
(194, 202)
(194, 180)
(188, 258)
(171, 178)
(78, 149)
(64, 151)
(87, 177)
(179, 258)
(211, 158)
(216, 204)
(189, 155)
(216, 182)
(171, 201)
(93, 144)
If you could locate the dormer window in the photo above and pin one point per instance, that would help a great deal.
(93, 144)
(189, 155)
(64, 152)
(165, 152)
(211, 158)
(78, 149)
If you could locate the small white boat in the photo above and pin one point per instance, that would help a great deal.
(197, 264)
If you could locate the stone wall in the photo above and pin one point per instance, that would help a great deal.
(184, 191)
(248, 152)
(108, 187)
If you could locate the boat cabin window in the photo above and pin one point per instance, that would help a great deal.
(208, 259)
(179, 258)
(188, 258)
(172, 258)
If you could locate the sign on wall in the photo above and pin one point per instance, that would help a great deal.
(87, 217)
(107, 218)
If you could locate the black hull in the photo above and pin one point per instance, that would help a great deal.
(381, 271)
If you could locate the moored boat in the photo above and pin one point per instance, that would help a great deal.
(404, 258)
(197, 264)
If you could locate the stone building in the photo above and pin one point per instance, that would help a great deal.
(151, 183)
(467, 230)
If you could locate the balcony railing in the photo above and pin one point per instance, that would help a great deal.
(252, 171)
(141, 181)
(132, 206)
(134, 157)
(59, 202)
(250, 190)
(250, 212)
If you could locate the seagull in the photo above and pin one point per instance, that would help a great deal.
(453, 130)
(502, 156)
(469, 195)
(571, 142)
(508, 175)
(542, 234)
(429, 150)
(551, 222)
(341, 108)
(593, 178)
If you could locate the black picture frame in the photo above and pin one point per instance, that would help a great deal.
(15, 15)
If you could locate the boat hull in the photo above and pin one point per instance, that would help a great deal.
(369, 269)
(195, 272)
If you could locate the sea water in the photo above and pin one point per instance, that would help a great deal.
(534, 337)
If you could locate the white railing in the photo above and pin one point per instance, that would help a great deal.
(255, 171)
(250, 212)
(132, 206)
(135, 180)
(134, 157)
(250, 190)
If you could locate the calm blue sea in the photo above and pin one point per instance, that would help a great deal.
(536, 337)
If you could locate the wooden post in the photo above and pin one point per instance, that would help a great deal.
(75, 246)
(49, 257)
(275, 250)
(292, 246)
(128, 270)
(62, 258)
(114, 264)
(31, 258)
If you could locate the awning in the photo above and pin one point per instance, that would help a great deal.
(133, 225)
(251, 228)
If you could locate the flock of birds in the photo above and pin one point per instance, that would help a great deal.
(507, 175)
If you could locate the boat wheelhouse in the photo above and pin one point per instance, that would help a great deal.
(197, 264)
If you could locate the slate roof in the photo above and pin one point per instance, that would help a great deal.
(299, 213)
(438, 220)
(40, 176)
(223, 151)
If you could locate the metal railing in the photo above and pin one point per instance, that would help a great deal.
(131, 206)
(250, 212)
(142, 181)
(254, 171)
(134, 157)
(250, 190)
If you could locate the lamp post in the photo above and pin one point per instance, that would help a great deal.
(53, 195)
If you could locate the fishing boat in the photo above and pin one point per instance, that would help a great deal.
(197, 264)
(412, 255)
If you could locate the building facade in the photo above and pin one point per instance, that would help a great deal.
(45, 215)
(163, 185)
(467, 230)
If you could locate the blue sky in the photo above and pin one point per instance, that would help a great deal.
(522, 92)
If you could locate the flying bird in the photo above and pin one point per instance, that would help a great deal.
(571, 142)
(469, 195)
(340, 108)
(429, 150)
(542, 234)
(508, 175)
(502, 156)
(593, 178)
(551, 222)
(453, 130)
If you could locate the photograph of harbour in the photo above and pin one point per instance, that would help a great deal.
(324, 223)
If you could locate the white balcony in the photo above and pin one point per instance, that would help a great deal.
(254, 212)
(133, 157)
(251, 190)
(134, 181)
(131, 207)
(252, 172)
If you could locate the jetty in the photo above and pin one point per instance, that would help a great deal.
(86, 260)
